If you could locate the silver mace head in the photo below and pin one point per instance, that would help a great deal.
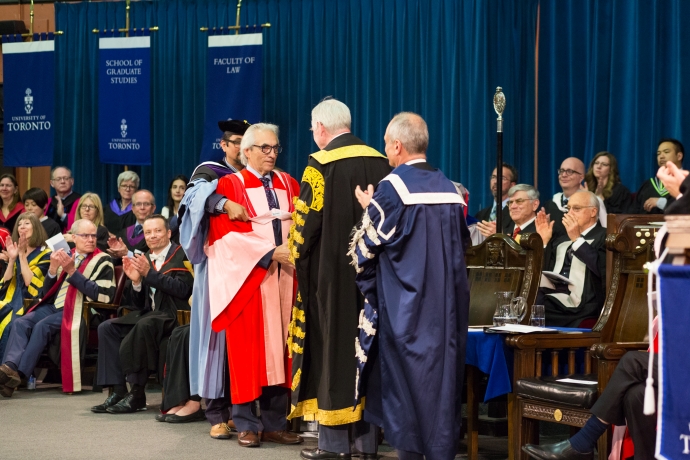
(499, 102)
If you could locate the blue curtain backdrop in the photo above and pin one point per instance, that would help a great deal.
(611, 78)
(440, 58)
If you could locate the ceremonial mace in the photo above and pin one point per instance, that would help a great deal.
(499, 107)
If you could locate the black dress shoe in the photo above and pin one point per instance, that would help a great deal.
(130, 403)
(109, 401)
(318, 454)
(559, 451)
(197, 416)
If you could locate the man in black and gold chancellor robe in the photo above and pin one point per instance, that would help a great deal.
(579, 256)
(328, 304)
(128, 347)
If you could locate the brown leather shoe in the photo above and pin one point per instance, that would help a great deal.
(9, 377)
(281, 437)
(248, 439)
(220, 431)
(231, 424)
(6, 391)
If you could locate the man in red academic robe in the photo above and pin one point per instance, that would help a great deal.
(252, 286)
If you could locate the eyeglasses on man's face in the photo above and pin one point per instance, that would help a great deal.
(266, 149)
(87, 236)
(61, 179)
(142, 204)
(567, 172)
(236, 142)
(518, 202)
(576, 208)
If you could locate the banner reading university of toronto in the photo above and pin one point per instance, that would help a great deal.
(124, 100)
(234, 83)
(673, 418)
(29, 88)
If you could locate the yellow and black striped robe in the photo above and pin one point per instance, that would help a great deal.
(14, 291)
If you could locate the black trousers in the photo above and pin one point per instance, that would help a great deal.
(361, 435)
(623, 401)
(110, 337)
(273, 405)
(176, 382)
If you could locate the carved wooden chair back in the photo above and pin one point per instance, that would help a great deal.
(502, 264)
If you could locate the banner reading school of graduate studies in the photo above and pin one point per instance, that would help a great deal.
(124, 100)
(234, 83)
(29, 89)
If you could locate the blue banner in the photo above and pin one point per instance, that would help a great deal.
(29, 92)
(673, 426)
(234, 84)
(124, 100)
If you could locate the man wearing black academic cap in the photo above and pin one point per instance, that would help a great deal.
(208, 366)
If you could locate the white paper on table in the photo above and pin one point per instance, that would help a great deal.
(521, 328)
(268, 216)
(58, 242)
(581, 382)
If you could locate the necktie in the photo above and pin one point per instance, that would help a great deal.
(564, 201)
(137, 230)
(492, 216)
(60, 299)
(516, 231)
(565, 271)
(272, 204)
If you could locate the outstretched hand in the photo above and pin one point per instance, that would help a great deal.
(364, 197)
(544, 226)
(118, 248)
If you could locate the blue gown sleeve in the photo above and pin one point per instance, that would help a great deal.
(194, 220)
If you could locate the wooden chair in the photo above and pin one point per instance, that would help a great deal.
(499, 263)
(621, 326)
(502, 264)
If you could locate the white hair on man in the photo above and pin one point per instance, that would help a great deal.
(332, 114)
(411, 130)
(78, 224)
(532, 193)
(249, 137)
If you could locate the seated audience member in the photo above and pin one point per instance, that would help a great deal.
(603, 180)
(35, 201)
(132, 238)
(62, 207)
(175, 193)
(87, 274)
(118, 214)
(571, 177)
(128, 346)
(580, 256)
(653, 197)
(26, 269)
(11, 206)
(523, 202)
(510, 177)
(90, 208)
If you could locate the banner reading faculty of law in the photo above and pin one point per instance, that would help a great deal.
(124, 100)
(234, 82)
(29, 90)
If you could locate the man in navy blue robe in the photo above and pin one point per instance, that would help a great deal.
(408, 251)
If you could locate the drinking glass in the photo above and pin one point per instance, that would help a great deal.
(502, 315)
(538, 317)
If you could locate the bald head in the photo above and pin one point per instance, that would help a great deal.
(571, 174)
(406, 138)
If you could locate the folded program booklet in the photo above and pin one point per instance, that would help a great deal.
(520, 329)
(549, 279)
